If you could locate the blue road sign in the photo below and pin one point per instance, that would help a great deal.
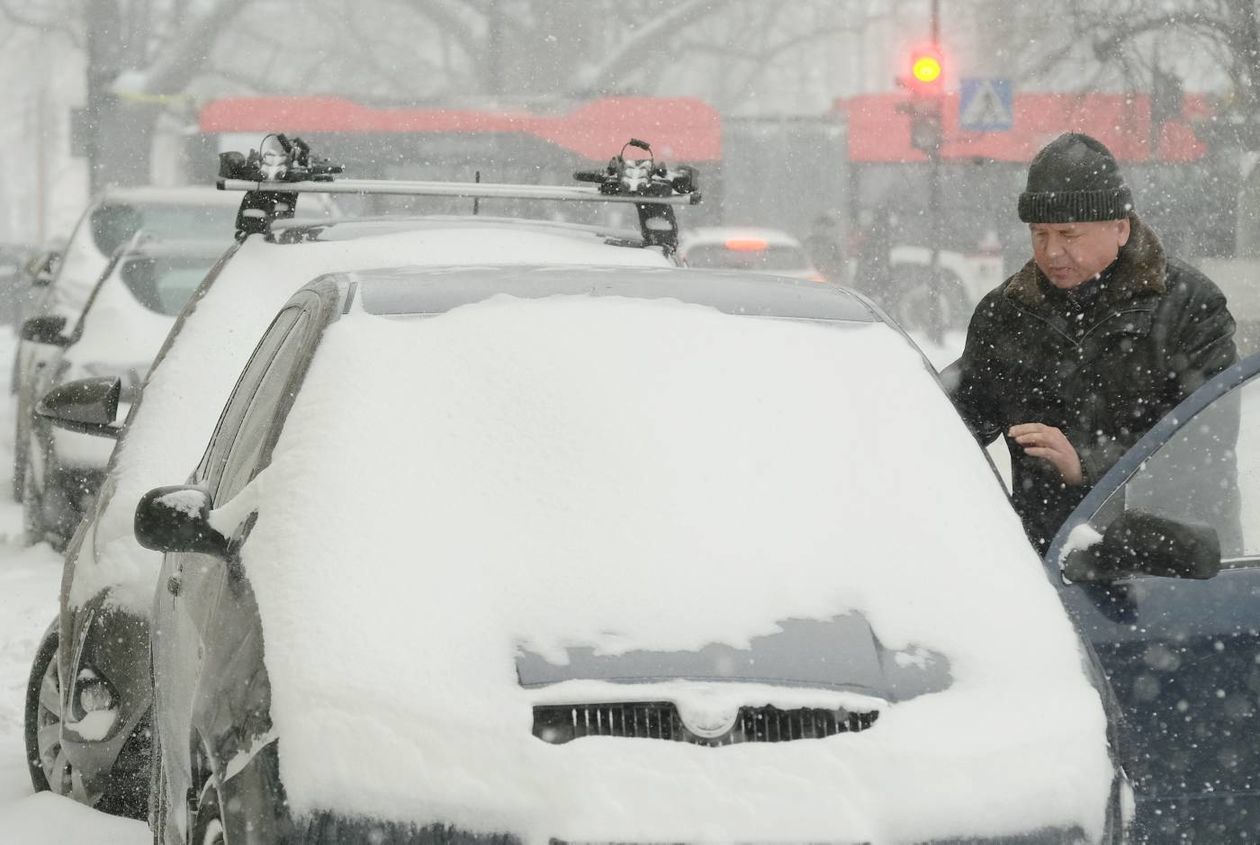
(986, 105)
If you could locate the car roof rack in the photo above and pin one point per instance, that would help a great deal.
(281, 168)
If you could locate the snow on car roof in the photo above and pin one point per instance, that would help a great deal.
(616, 474)
(169, 428)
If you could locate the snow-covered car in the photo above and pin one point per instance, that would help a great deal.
(89, 736)
(109, 222)
(37, 273)
(477, 554)
(746, 248)
(120, 330)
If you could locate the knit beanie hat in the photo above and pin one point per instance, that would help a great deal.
(1074, 178)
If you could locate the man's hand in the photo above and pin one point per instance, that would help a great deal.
(1051, 445)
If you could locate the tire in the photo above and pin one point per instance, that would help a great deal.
(207, 823)
(159, 810)
(33, 508)
(923, 305)
(19, 455)
(49, 768)
(49, 510)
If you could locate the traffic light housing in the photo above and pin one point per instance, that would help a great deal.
(926, 82)
(926, 133)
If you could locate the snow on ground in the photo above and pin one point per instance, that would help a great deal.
(29, 579)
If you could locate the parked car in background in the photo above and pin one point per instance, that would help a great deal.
(100, 641)
(922, 301)
(746, 248)
(109, 222)
(544, 650)
(37, 274)
(124, 322)
(13, 279)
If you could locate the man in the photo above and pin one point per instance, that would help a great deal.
(1079, 353)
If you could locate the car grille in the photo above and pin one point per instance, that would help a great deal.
(660, 720)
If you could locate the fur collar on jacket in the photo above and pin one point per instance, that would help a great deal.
(1140, 271)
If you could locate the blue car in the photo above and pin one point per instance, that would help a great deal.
(1182, 652)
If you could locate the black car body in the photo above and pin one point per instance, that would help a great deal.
(1182, 654)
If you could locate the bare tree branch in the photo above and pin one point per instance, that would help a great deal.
(451, 23)
(180, 60)
(646, 40)
(62, 24)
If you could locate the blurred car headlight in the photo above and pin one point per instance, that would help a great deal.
(93, 708)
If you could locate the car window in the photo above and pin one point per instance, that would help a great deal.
(1207, 473)
(230, 421)
(113, 224)
(163, 285)
(264, 412)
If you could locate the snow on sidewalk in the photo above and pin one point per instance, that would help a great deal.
(29, 578)
(48, 818)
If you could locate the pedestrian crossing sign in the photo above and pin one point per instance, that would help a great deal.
(986, 105)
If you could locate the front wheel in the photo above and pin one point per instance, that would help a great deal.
(51, 501)
(19, 454)
(934, 306)
(158, 807)
(207, 828)
(49, 767)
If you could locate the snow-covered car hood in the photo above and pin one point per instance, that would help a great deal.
(565, 481)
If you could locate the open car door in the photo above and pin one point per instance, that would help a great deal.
(1160, 568)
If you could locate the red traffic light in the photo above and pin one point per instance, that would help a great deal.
(927, 70)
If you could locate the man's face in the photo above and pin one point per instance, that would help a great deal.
(1071, 253)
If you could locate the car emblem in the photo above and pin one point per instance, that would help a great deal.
(708, 722)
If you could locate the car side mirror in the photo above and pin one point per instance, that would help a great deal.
(88, 406)
(177, 519)
(46, 329)
(44, 268)
(1140, 543)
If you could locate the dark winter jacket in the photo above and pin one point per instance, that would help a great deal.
(1101, 364)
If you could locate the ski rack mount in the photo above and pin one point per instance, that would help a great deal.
(281, 168)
